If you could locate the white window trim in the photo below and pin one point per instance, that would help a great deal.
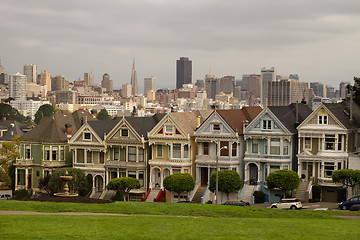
(156, 151)
(86, 139)
(166, 130)
(310, 144)
(322, 117)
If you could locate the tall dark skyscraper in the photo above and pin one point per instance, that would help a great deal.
(183, 72)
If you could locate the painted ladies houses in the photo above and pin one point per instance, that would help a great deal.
(173, 146)
(328, 140)
(45, 148)
(220, 138)
(271, 144)
(112, 149)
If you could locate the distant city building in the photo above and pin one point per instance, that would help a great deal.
(107, 83)
(59, 82)
(30, 71)
(267, 75)
(285, 92)
(45, 80)
(318, 88)
(66, 96)
(149, 84)
(183, 72)
(294, 76)
(28, 107)
(126, 90)
(89, 79)
(133, 82)
(343, 89)
(17, 86)
(330, 91)
(2, 70)
(4, 79)
(214, 86)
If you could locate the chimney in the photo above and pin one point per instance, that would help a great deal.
(198, 121)
(4, 118)
(68, 130)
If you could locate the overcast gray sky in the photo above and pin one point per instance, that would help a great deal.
(318, 39)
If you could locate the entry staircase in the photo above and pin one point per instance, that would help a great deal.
(96, 195)
(108, 194)
(302, 192)
(199, 193)
(152, 195)
(248, 194)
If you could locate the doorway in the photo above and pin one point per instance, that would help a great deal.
(204, 176)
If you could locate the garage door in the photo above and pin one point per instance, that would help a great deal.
(329, 194)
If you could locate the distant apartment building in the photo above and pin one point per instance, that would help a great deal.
(330, 91)
(107, 83)
(126, 90)
(28, 107)
(149, 84)
(294, 76)
(214, 86)
(45, 80)
(30, 71)
(183, 72)
(267, 75)
(318, 88)
(89, 79)
(2, 69)
(66, 96)
(59, 82)
(4, 79)
(343, 90)
(17, 86)
(285, 92)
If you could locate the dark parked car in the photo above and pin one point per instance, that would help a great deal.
(5, 196)
(236, 203)
(348, 203)
(355, 207)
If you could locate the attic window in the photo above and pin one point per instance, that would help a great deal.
(124, 132)
(323, 119)
(266, 124)
(87, 136)
(216, 127)
(168, 129)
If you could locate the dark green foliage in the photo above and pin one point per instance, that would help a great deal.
(103, 115)
(44, 183)
(259, 196)
(229, 181)
(45, 110)
(347, 177)
(356, 90)
(179, 182)
(285, 180)
(123, 185)
(12, 175)
(316, 193)
(77, 185)
(21, 194)
(10, 113)
(117, 197)
(341, 194)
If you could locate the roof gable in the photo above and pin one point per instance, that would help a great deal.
(258, 124)
(215, 125)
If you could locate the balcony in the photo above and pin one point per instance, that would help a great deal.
(54, 163)
(24, 162)
(209, 159)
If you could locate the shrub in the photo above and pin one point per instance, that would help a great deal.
(44, 183)
(123, 185)
(22, 194)
(316, 193)
(285, 180)
(341, 194)
(179, 182)
(259, 196)
(77, 184)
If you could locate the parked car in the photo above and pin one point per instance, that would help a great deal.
(236, 203)
(288, 203)
(4, 196)
(348, 203)
(355, 207)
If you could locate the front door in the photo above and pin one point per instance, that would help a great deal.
(310, 171)
(253, 174)
(204, 176)
(29, 181)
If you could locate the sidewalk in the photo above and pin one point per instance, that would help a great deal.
(307, 206)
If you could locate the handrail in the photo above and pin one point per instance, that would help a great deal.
(143, 199)
(204, 195)
(160, 195)
(241, 195)
(193, 192)
(309, 189)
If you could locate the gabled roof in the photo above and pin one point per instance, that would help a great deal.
(342, 112)
(236, 117)
(52, 129)
(287, 114)
(188, 121)
(103, 127)
(143, 125)
(12, 128)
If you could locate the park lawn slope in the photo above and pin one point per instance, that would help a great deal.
(170, 209)
(165, 227)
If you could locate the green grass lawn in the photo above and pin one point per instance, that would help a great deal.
(172, 221)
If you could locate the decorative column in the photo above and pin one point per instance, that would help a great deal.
(161, 178)
(16, 177)
(26, 178)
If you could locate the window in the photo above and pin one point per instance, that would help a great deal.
(87, 136)
(141, 154)
(275, 146)
(255, 145)
(132, 174)
(102, 157)
(176, 150)
(80, 156)
(132, 154)
(329, 168)
(340, 142)
(88, 157)
(234, 149)
(266, 124)
(329, 142)
(224, 146)
(176, 170)
(323, 119)
(339, 166)
(113, 174)
(206, 148)
(55, 153)
(216, 127)
(122, 172)
(159, 151)
(285, 147)
(47, 153)
(62, 153)
(116, 153)
(186, 170)
(123, 154)
(169, 129)
(307, 143)
(27, 151)
(21, 177)
(141, 178)
(265, 146)
(186, 151)
(124, 133)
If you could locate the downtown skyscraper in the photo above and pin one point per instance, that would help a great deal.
(133, 82)
(183, 72)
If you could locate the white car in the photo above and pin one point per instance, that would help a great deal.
(288, 203)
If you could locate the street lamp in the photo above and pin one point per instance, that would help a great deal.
(217, 174)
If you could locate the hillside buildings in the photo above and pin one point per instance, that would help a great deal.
(30, 71)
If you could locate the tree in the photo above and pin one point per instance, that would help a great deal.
(285, 180)
(77, 184)
(228, 180)
(356, 90)
(9, 152)
(347, 177)
(103, 115)
(179, 182)
(45, 110)
(123, 185)
(11, 113)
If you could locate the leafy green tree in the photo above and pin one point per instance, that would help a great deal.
(77, 184)
(45, 110)
(356, 90)
(10, 113)
(9, 152)
(123, 185)
(103, 115)
(229, 181)
(179, 182)
(285, 180)
(347, 177)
